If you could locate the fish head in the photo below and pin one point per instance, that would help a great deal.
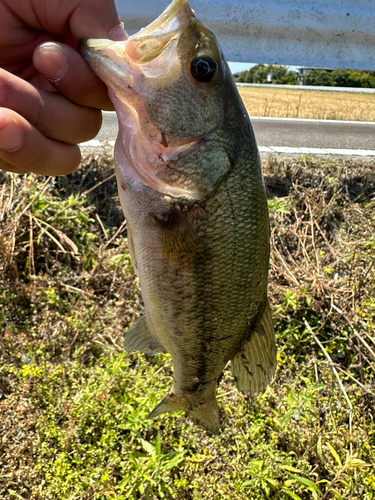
(176, 101)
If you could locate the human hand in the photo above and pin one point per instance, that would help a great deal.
(50, 99)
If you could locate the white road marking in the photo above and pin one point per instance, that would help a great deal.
(96, 144)
(320, 88)
(316, 151)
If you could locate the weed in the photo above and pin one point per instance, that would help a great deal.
(73, 406)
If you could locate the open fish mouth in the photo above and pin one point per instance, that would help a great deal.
(128, 68)
(142, 47)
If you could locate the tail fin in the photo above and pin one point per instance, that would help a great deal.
(170, 404)
(205, 414)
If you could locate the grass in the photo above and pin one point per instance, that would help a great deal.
(73, 405)
(285, 103)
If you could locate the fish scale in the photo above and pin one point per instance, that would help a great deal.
(198, 228)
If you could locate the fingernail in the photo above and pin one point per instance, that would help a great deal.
(118, 34)
(11, 137)
(50, 60)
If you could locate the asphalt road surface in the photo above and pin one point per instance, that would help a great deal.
(291, 133)
(314, 133)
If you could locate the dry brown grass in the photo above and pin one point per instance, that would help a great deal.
(317, 237)
(285, 103)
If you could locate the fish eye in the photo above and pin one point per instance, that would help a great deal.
(203, 68)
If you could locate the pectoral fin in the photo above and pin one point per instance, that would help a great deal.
(139, 338)
(131, 249)
(179, 240)
(255, 363)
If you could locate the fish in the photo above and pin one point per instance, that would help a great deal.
(191, 187)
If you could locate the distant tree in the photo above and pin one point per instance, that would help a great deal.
(372, 79)
(256, 74)
(278, 73)
(290, 78)
(319, 77)
(341, 78)
(259, 74)
(242, 77)
(353, 78)
(347, 78)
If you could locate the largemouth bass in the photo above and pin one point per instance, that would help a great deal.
(191, 187)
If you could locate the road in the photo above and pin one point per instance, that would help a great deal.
(292, 133)
(307, 88)
(314, 133)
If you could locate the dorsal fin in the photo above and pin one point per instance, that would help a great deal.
(254, 365)
(139, 338)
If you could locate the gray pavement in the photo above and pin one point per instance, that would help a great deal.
(314, 133)
(291, 133)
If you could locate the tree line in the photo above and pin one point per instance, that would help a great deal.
(275, 74)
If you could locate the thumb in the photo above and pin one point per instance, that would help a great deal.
(96, 19)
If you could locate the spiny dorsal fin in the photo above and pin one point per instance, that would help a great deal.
(254, 365)
(139, 338)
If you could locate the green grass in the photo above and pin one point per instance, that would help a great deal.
(73, 406)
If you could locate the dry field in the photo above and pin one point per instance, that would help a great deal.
(285, 103)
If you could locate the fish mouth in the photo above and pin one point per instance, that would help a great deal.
(126, 67)
(144, 46)
(174, 18)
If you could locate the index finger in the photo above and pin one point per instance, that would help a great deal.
(70, 74)
(81, 18)
(96, 19)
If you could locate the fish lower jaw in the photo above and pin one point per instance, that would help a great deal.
(141, 178)
(142, 151)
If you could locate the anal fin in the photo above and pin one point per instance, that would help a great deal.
(139, 338)
(254, 365)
